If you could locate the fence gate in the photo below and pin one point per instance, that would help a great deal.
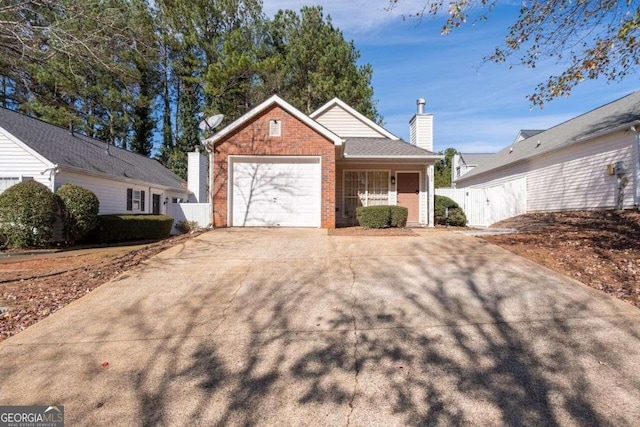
(486, 206)
(473, 202)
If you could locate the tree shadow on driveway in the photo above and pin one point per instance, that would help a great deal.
(423, 332)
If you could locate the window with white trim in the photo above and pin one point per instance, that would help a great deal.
(275, 127)
(8, 181)
(364, 188)
(135, 200)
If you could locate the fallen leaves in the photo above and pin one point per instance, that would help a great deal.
(33, 293)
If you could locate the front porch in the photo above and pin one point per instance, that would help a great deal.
(408, 184)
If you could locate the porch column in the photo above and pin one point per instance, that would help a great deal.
(429, 169)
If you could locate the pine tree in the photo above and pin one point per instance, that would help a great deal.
(319, 63)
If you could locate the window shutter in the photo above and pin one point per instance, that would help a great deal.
(129, 199)
(142, 199)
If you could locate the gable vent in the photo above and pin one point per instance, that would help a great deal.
(275, 126)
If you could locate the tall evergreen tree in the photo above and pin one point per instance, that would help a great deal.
(319, 63)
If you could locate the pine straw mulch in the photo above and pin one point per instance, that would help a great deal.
(599, 248)
(33, 288)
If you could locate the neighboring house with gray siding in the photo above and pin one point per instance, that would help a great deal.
(124, 182)
(588, 162)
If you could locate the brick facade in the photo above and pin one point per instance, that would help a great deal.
(297, 139)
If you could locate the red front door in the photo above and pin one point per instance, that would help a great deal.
(409, 194)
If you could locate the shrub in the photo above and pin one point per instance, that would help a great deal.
(456, 214)
(122, 228)
(374, 216)
(27, 214)
(63, 228)
(399, 215)
(82, 206)
(382, 216)
(185, 227)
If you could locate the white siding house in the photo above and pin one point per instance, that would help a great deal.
(124, 182)
(18, 163)
(464, 163)
(589, 162)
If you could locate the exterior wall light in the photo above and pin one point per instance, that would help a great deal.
(393, 180)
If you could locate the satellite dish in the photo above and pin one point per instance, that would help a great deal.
(210, 123)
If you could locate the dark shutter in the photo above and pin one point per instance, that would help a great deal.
(142, 198)
(129, 199)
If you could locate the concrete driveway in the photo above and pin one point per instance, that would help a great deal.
(294, 327)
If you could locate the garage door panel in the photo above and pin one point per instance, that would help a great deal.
(283, 192)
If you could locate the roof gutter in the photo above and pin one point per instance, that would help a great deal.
(627, 126)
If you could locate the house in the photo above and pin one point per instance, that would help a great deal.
(276, 166)
(124, 182)
(588, 162)
(462, 163)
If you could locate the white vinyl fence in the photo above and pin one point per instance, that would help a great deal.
(198, 212)
(473, 202)
(485, 206)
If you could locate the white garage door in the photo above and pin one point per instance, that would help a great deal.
(275, 192)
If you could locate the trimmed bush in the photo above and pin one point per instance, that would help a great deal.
(382, 216)
(374, 216)
(456, 214)
(82, 206)
(27, 214)
(122, 228)
(399, 215)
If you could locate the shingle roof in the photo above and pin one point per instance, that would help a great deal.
(609, 117)
(382, 147)
(58, 146)
(475, 158)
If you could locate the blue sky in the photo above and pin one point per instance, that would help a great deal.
(476, 107)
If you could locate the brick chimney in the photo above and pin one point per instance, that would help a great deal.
(421, 127)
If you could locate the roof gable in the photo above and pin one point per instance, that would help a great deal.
(612, 117)
(274, 100)
(75, 151)
(345, 121)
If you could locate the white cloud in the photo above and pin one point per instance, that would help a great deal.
(351, 16)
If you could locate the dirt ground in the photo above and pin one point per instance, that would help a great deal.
(599, 248)
(32, 287)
